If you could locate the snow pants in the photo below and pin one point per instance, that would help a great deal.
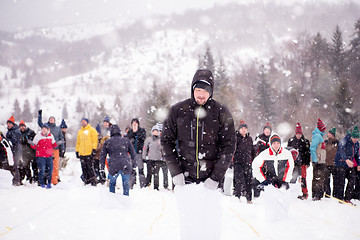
(243, 181)
(45, 165)
(87, 166)
(140, 165)
(329, 171)
(339, 183)
(318, 182)
(153, 169)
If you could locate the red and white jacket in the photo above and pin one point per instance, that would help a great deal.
(269, 165)
(44, 145)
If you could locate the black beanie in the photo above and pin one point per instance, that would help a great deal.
(275, 138)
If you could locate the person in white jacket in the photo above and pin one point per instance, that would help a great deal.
(273, 165)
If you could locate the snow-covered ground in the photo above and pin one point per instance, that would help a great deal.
(73, 211)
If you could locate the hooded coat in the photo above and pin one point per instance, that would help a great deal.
(317, 147)
(14, 136)
(55, 131)
(272, 166)
(198, 141)
(347, 150)
(87, 140)
(303, 147)
(28, 153)
(118, 149)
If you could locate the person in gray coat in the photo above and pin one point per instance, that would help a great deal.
(154, 157)
(118, 148)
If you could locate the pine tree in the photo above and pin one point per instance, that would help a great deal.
(79, 107)
(337, 55)
(353, 60)
(16, 110)
(6, 77)
(346, 116)
(37, 107)
(64, 112)
(264, 101)
(13, 73)
(27, 116)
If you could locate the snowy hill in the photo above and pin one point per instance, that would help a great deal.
(72, 211)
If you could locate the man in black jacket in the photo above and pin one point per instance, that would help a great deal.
(137, 136)
(300, 143)
(198, 136)
(14, 136)
(28, 153)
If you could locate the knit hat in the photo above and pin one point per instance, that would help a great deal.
(45, 126)
(333, 131)
(203, 78)
(107, 119)
(11, 120)
(243, 124)
(298, 129)
(155, 128)
(85, 119)
(22, 123)
(160, 126)
(320, 125)
(267, 125)
(275, 138)
(355, 132)
(63, 124)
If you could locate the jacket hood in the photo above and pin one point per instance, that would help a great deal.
(317, 131)
(273, 134)
(202, 74)
(115, 130)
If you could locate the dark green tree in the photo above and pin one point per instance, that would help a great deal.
(27, 116)
(16, 111)
(337, 55)
(353, 60)
(65, 112)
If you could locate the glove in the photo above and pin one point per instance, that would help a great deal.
(266, 182)
(93, 153)
(179, 180)
(77, 155)
(277, 183)
(40, 112)
(211, 184)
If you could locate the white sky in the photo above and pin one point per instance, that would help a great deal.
(25, 14)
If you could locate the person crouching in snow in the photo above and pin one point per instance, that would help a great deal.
(119, 161)
(274, 165)
(44, 143)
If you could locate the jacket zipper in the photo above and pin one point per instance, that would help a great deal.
(197, 144)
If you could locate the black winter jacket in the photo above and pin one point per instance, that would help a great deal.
(137, 139)
(14, 136)
(245, 151)
(198, 145)
(118, 149)
(303, 147)
(261, 143)
(28, 153)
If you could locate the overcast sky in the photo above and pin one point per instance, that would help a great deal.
(25, 14)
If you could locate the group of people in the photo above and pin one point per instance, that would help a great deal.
(196, 143)
(35, 157)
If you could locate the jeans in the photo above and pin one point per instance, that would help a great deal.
(45, 164)
(125, 182)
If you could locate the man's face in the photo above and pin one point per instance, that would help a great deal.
(276, 146)
(330, 136)
(298, 135)
(22, 128)
(354, 140)
(84, 123)
(9, 125)
(267, 131)
(106, 124)
(243, 131)
(51, 120)
(135, 126)
(44, 130)
(201, 96)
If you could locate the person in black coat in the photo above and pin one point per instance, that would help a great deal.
(302, 145)
(28, 153)
(243, 157)
(14, 136)
(198, 136)
(262, 141)
(119, 160)
(137, 136)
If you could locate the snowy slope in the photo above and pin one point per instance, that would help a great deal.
(73, 211)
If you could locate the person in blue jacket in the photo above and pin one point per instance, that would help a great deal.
(346, 163)
(318, 156)
(119, 161)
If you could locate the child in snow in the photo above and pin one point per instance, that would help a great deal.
(274, 165)
(44, 143)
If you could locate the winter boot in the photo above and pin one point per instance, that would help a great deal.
(303, 197)
(48, 186)
(42, 185)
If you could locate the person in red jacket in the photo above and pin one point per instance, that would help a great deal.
(44, 143)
